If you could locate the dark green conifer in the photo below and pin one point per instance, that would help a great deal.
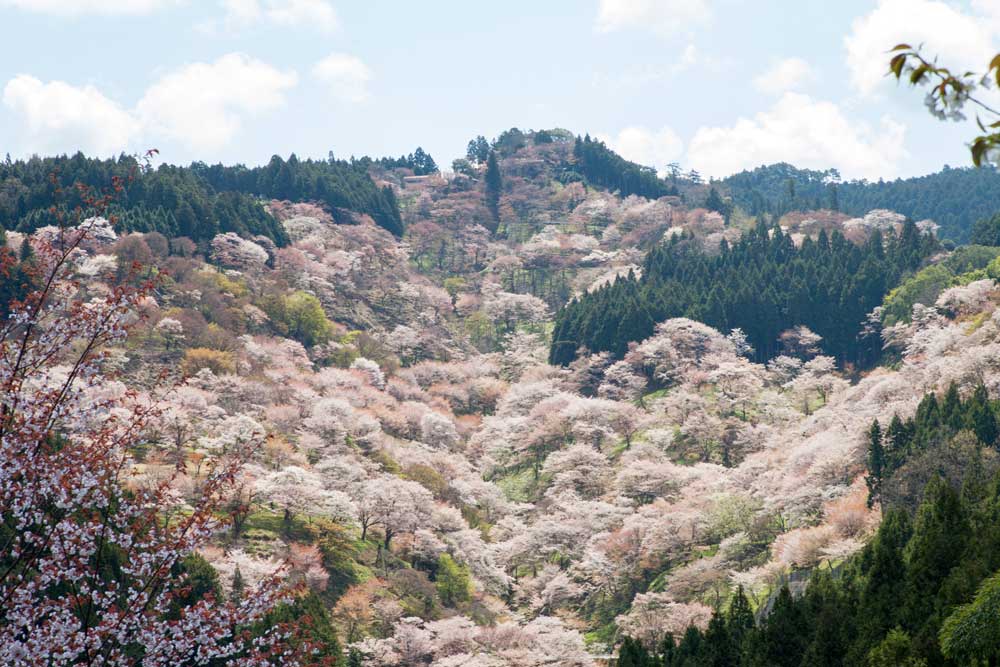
(494, 185)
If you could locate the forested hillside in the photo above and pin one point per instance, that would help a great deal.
(953, 198)
(555, 422)
(763, 285)
(919, 592)
(604, 168)
(197, 202)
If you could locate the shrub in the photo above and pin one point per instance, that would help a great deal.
(299, 316)
(453, 584)
(217, 361)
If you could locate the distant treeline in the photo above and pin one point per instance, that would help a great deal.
(198, 201)
(763, 284)
(602, 167)
(419, 161)
(953, 198)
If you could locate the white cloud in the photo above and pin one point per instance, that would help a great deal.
(990, 10)
(239, 14)
(646, 147)
(689, 56)
(639, 75)
(61, 117)
(665, 17)
(83, 7)
(345, 75)
(203, 105)
(962, 41)
(783, 76)
(805, 132)
(315, 13)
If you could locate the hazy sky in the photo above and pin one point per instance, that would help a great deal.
(717, 85)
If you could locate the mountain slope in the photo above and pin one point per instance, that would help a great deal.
(451, 498)
(953, 198)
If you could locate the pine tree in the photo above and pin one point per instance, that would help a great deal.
(237, 587)
(884, 584)
(718, 647)
(478, 150)
(494, 185)
(876, 463)
(667, 651)
(927, 419)
(714, 201)
(688, 648)
(831, 611)
(782, 641)
(952, 414)
(632, 653)
(940, 533)
(898, 438)
(980, 417)
(27, 252)
(739, 618)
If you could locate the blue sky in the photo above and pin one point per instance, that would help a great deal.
(717, 85)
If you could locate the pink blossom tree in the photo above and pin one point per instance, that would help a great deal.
(64, 459)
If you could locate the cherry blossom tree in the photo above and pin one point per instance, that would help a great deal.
(622, 383)
(231, 251)
(64, 457)
(395, 505)
(800, 342)
(298, 491)
(506, 309)
(578, 468)
(646, 474)
(653, 616)
(438, 431)
(817, 380)
(738, 382)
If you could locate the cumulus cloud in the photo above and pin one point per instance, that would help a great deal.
(646, 147)
(202, 105)
(638, 75)
(665, 17)
(83, 7)
(963, 41)
(62, 117)
(345, 75)
(318, 14)
(783, 76)
(805, 132)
